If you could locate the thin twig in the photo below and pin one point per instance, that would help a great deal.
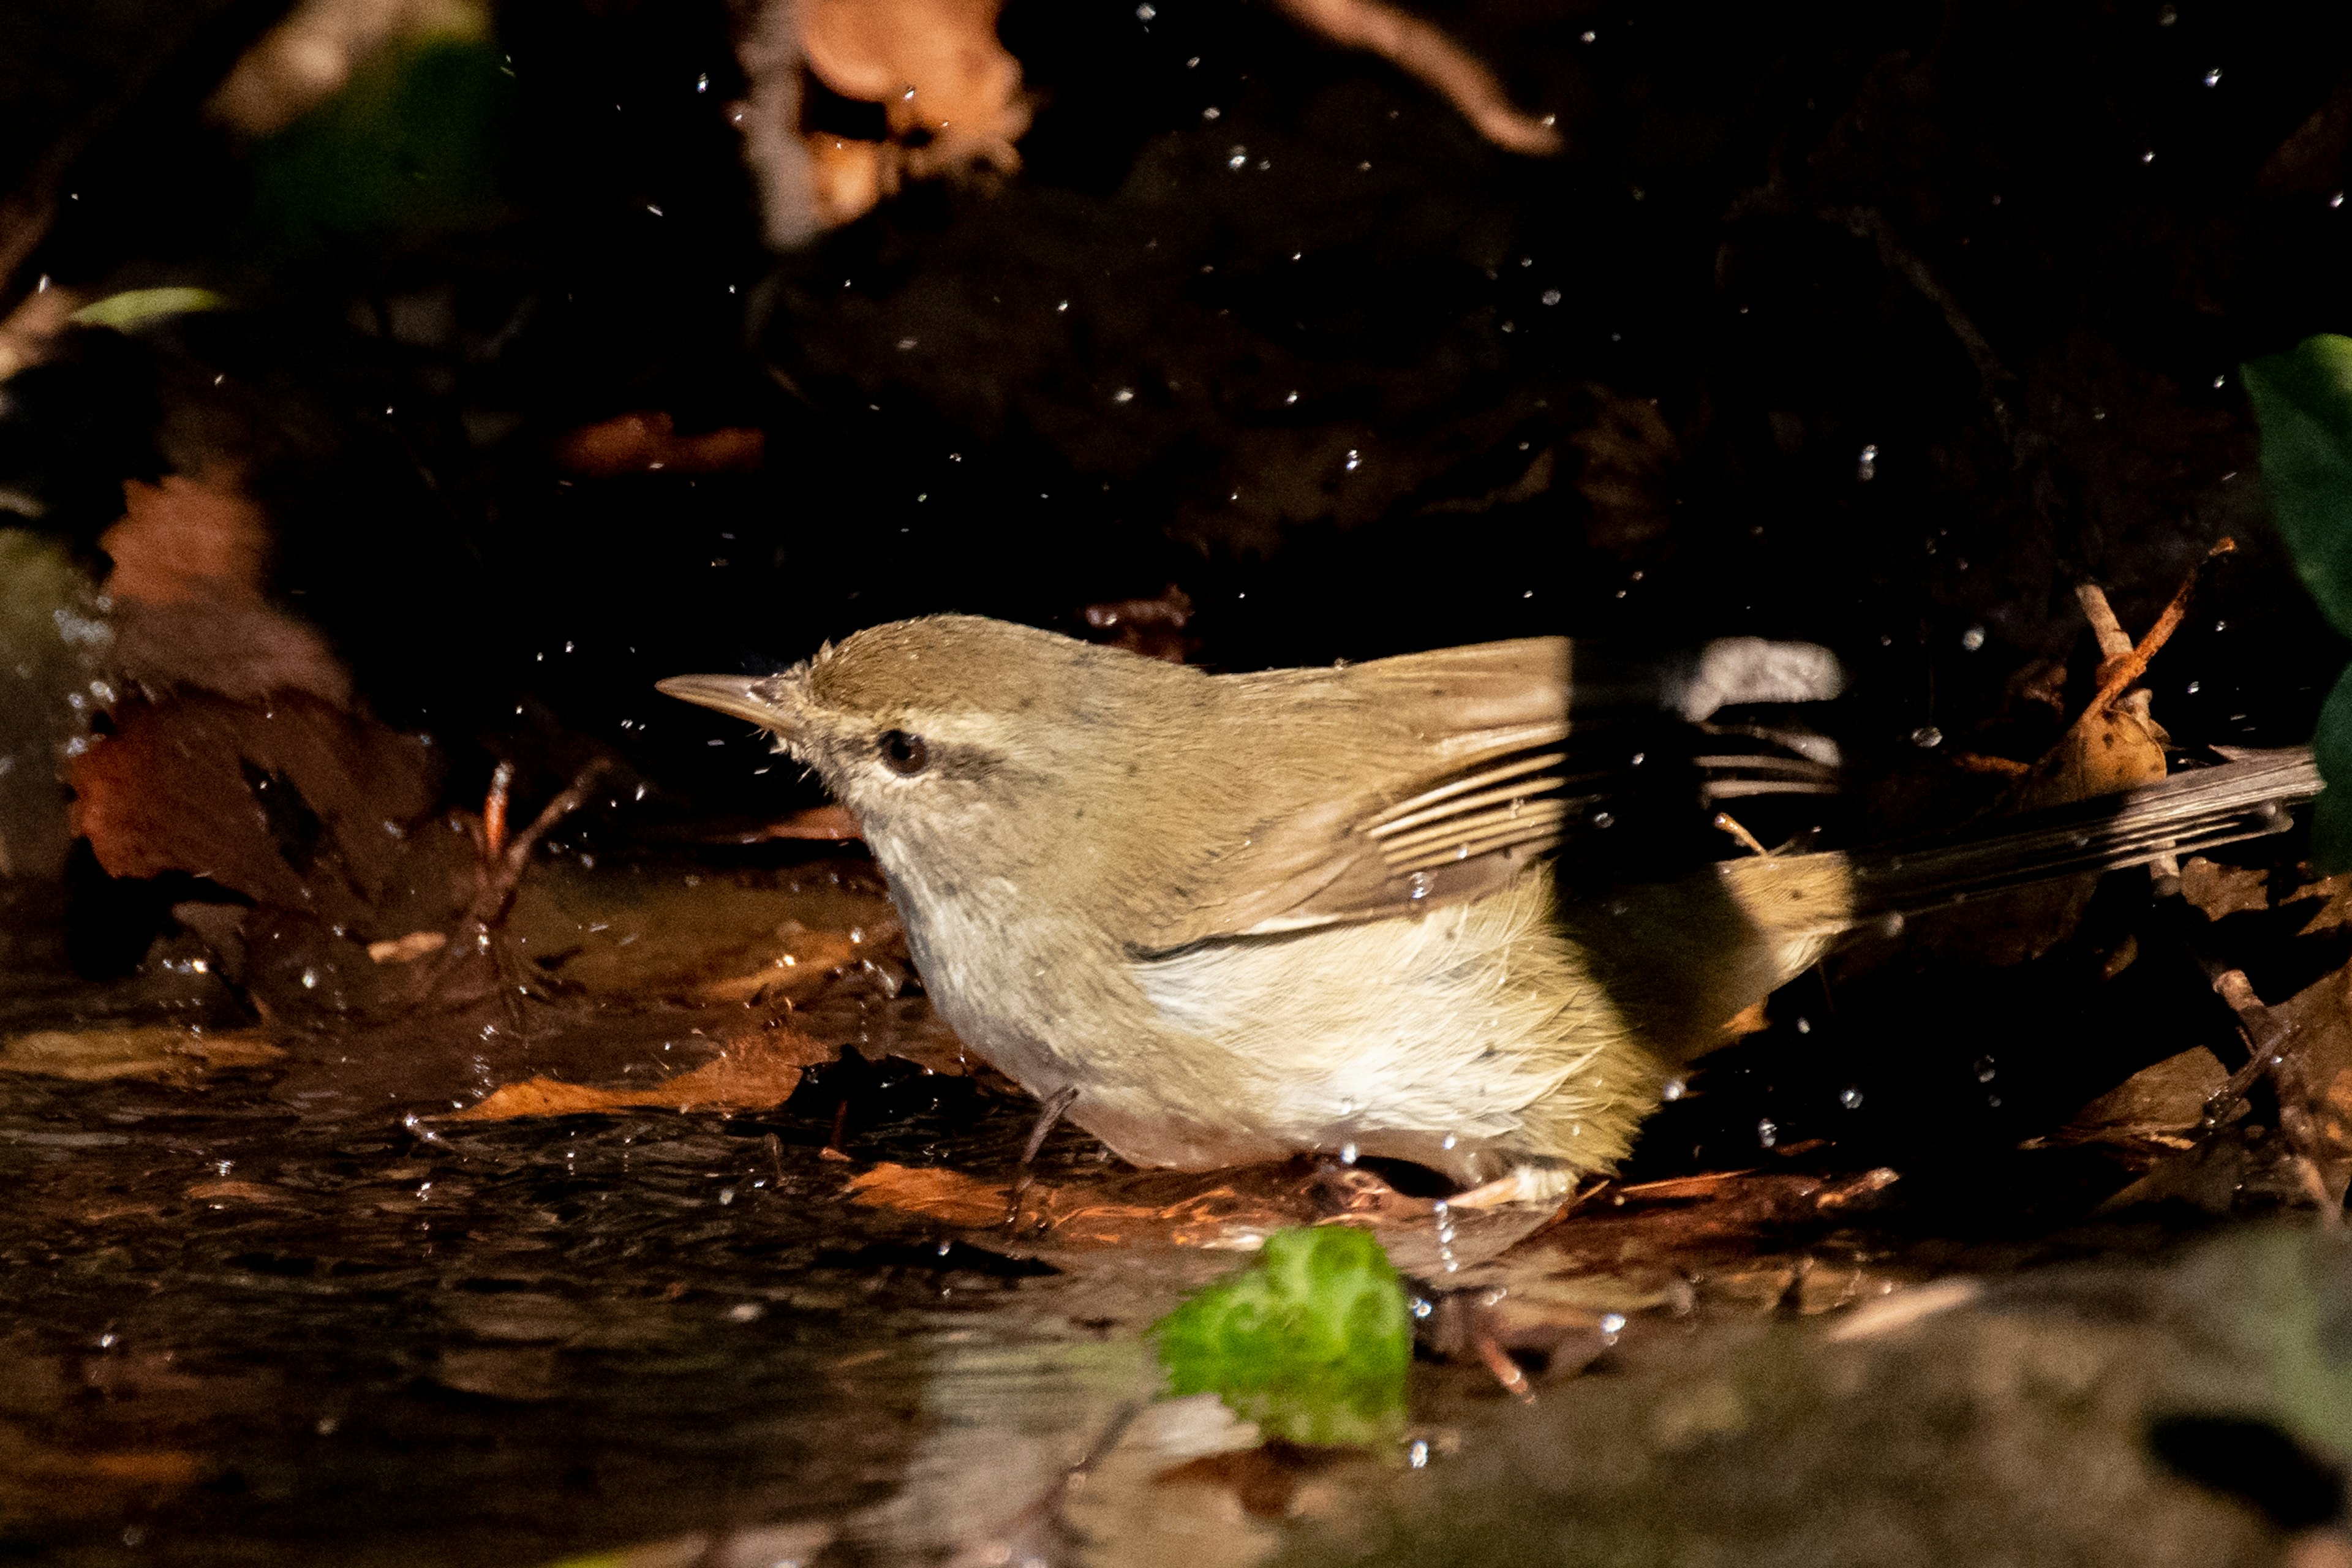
(2117, 674)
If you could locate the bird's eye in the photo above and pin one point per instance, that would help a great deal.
(904, 753)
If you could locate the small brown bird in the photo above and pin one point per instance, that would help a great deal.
(1231, 917)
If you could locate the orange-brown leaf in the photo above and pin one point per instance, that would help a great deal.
(648, 443)
(758, 1072)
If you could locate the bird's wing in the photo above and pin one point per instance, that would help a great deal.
(1475, 760)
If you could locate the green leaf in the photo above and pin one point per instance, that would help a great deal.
(413, 141)
(136, 308)
(2303, 402)
(1313, 1342)
(2331, 814)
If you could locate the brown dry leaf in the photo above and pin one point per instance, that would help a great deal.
(809, 959)
(2304, 1045)
(1221, 1210)
(2158, 1103)
(1153, 627)
(153, 1051)
(188, 558)
(297, 804)
(1646, 1223)
(936, 67)
(951, 96)
(2217, 891)
(758, 1072)
(222, 1192)
(649, 443)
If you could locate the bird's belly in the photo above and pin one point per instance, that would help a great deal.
(1467, 1040)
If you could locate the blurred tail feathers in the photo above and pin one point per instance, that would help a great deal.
(2200, 809)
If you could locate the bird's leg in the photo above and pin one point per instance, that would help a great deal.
(504, 860)
(1048, 1115)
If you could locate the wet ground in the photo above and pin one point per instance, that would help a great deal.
(262, 1308)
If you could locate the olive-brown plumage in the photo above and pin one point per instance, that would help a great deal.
(1247, 916)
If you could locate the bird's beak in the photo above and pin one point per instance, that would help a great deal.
(739, 695)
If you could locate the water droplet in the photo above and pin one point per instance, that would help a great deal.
(310, 980)
(1805, 1026)
(1612, 1323)
(2192, 686)
(1985, 1069)
(1354, 461)
(1603, 819)
(1851, 1097)
(1865, 467)
(1926, 737)
(2166, 16)
(1675, 1089)
(1144, 13)
(1124, 395)
(1237, 157)
(1973, 638)
(1447, 1141)
(1768, 1132)
(1417, 885)
(2213, 76)
(726, 1196)
(1417, 1453)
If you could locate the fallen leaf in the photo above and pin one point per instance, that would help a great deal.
(1224, 1210)
(407, 949)
(189, 609)
(758, 1072)
(1153, 627)
(150, 1051)
(297, 804)
(220, 1193)
(2218, 892)
(648, 443)
(2167, 1097)
(809, 958)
